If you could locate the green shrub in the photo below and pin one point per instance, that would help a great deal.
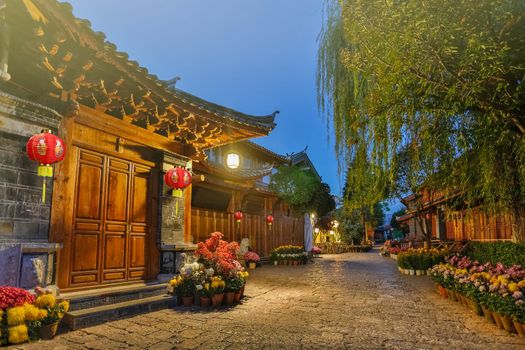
(507, 253)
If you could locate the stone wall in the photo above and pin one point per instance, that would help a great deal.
(26, 256)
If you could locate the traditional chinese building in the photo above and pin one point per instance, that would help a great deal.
(243, 188)
(108, 218)
(432, 211)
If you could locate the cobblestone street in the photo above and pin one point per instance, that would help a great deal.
(349, 301)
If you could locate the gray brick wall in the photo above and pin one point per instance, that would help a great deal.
(23, 216)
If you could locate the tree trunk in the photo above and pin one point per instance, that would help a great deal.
(518, 224)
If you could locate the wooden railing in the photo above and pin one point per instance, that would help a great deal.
(263, 238)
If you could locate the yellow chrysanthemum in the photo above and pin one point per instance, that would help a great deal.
(65, 305)
(214, 285)
(18, 334)
(207, 286)
(31, 312)
(16, 316)
(521, 283)
(41, 314)
(45, 300)
(513, 287)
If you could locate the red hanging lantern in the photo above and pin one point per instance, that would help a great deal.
(269, 220)
(178, 179)
(238, 215)
(46, 149)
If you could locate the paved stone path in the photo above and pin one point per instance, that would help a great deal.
(348, 301)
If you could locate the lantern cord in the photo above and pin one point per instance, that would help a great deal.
(44, 190)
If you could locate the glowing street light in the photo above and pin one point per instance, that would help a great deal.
(233, 160)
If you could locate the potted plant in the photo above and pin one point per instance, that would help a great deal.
(251, 258)
(217, 286)
(204, 293)
(54, 311)
(185, 288)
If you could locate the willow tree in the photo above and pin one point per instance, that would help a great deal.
(438, 81)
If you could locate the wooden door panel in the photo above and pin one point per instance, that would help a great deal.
(117, 196)
(85, 258)
(115, 252)
(138, 249)
(140, 196)
(89, 189)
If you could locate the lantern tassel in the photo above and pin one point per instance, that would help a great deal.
(44, 190)
(176, 207)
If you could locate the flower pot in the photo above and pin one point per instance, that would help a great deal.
(275, 262)
(187, 301)
(412, 272)
(487, 314)
(216, 299)
(442, 291)
(205, 301)
(507, 324)
(399, 269)
(452, 295)
(237, 296)
(475, 307)
(242, 292)
(497, 319)
(48, 331)
(252, 265)
(419, 272)
(520, 328)
(229, 298)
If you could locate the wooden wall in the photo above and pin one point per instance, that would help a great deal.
(479, 226)
(263, 238)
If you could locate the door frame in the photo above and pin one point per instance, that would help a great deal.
(91, 130)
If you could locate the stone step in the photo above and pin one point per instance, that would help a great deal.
(96, 315)
(112, 295)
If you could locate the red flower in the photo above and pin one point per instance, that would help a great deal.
(12, 296)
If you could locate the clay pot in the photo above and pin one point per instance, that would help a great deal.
(242, 292)
(216, 299)
(187, 301)
(442, 291)
(487, 314)
(520, 328)
(419, 272)
(452, 295)
(507, 324)
(205, 301)
(497, 319)
(228, 298)
(252, 265)
(275, 262)
(412, 272)
(237, 296)
(48, 331)
(475, 307)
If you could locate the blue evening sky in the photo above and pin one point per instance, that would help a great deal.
(255, 56)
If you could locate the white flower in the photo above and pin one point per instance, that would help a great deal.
(198, 287)
(210, 271)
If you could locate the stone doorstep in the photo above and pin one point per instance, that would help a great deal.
(96, 315)
(112, 295)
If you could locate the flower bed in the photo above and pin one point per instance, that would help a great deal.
(494, 291)
(289, 255)
(216, 278)
(25, 317)
(418, 261)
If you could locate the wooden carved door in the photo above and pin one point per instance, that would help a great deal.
(111, 220)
